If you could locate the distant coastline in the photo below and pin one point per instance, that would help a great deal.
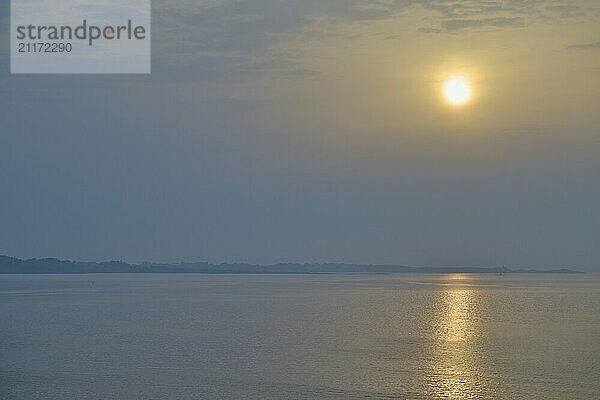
(12, 265)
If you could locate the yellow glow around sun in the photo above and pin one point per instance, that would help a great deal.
(457, 91)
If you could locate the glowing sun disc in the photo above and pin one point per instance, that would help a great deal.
(457, 91)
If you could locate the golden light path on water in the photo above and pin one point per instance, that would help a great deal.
(456, 372)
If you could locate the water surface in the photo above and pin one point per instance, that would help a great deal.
(180, 336)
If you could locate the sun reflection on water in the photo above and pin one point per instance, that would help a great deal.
(455, 372)
(455, 323)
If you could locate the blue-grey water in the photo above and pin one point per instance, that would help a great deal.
(299, 337)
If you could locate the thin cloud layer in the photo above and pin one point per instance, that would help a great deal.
(584, 46)
(221, 38)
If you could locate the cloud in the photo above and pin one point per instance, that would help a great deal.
(453, 25)
(461, 9)
(532, 129)
(453, 16)
(212, 40)
(566, 11)
(430, 30)
(223, 38)
(584, 46)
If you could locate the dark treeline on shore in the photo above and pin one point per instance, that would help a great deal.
(11, 265)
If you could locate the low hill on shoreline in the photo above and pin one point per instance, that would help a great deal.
(11, 265)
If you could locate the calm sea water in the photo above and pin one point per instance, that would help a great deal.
(299, 337)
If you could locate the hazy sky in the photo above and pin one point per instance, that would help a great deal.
(315, 131)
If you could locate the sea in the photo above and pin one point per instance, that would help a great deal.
(324, 336)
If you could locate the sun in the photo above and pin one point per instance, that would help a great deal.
(457, 91)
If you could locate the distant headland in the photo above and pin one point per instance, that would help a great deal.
(11, 265)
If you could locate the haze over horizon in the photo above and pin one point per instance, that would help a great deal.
(316, 131)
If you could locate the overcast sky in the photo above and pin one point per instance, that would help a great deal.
(316, 131)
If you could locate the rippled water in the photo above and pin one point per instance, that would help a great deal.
(293, 337)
